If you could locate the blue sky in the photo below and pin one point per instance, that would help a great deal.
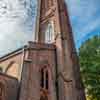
(85, 19)
(17, 18)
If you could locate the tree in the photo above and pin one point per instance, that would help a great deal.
(89, 55)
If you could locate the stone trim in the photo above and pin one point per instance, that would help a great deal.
(5, 75)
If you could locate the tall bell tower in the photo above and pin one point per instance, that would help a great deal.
(53, 27)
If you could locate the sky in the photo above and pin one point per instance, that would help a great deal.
(17, 18)
(17, 22)
(85, 19)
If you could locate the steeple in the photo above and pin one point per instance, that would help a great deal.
(53, 27)
(48, 68)
(52, 15)
(45, 21)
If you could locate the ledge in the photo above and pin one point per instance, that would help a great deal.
(41, 46)
(30, 46)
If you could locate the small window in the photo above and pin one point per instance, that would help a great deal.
(44, 84)
(49, 33)
(47, 83)
(44, 79)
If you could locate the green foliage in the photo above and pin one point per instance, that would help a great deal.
(89, 55)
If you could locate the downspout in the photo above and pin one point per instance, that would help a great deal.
(20, 77)
(22, 63)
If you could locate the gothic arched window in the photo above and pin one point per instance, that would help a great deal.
(47, 81)
(44, 79)
(44, 84)
(49, 33)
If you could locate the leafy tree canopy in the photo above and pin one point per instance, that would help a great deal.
(89, 55)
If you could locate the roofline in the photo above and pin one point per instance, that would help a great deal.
(31, 45)
(15, 52)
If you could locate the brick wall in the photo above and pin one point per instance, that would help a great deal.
(9, 87)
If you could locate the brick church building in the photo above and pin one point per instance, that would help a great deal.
(47, 68)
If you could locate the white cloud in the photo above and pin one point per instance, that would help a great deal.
(16, 21)
(16, 24)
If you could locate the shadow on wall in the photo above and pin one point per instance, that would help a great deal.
(12, 69)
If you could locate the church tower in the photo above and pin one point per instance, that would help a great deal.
(53, 27)
(47, 68)
(50, 65)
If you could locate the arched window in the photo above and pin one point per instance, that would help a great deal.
(44, 79)
(44, 84)
(47, 83)
(49, 33)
